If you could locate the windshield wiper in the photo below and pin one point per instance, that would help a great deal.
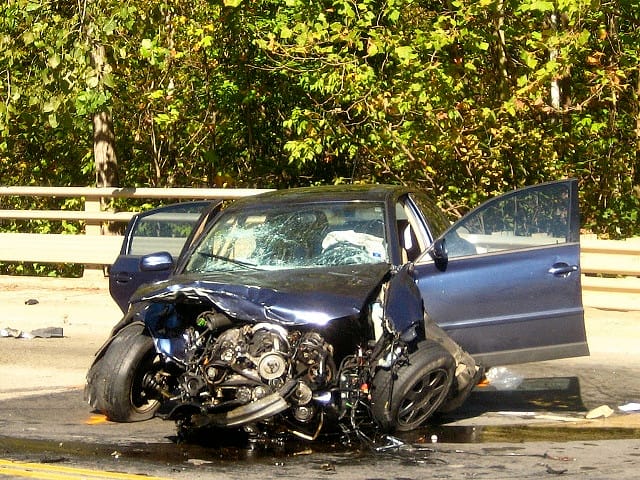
(229, 260)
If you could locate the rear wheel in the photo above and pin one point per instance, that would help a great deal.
(403, 398)
(118, 378)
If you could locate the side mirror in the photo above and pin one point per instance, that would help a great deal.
(438, 251)
(156, 262)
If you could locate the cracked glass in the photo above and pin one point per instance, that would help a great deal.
(294, 236)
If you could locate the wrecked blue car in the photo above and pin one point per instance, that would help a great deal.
(291, 309)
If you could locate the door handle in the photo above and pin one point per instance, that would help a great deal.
(562, 269)
(122, 277)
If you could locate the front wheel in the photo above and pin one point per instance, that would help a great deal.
(117, 380)
(403, 398)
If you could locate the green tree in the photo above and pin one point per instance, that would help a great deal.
(464, 98)
(467, 98)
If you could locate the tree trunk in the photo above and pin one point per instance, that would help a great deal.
(106, 162)
(104, 148)
(104, 139)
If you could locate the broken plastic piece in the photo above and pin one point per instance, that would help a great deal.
(10, 332)
(502, 378)
(630, 407)
(49, 332)
(601, 411)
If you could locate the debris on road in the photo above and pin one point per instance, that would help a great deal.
(630, 407)
(603, 411)
(48, 332)
(555, 471)
(501, 378)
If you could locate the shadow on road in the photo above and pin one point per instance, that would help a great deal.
(550, 394)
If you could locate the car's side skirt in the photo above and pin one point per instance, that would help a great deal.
(528, 355)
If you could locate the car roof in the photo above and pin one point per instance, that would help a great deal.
(319, 194)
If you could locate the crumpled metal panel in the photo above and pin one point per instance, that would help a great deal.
(313, 296)
(403, 306)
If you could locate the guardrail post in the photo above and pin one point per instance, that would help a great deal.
(92, 205)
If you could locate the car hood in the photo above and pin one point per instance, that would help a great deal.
(289, 297)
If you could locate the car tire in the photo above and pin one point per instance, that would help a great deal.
(116, 380)
(404, 397)
(94, 392)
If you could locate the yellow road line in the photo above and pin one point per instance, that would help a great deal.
(47, 471)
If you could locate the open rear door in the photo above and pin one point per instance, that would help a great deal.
(504, 281)
(163, 229)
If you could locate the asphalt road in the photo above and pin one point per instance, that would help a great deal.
(530, 421)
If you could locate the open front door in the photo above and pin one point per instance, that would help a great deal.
(504, 281)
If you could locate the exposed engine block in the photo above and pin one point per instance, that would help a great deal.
(250, 363)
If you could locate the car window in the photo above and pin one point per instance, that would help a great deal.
(165, 229)
(525, 219)
(293, 236)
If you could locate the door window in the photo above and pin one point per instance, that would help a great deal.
(527, 218)
(165, 228)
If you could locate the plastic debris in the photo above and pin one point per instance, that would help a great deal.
(10, 332)
(502, 378)
(603, 411)
(48, 332)
(630, 407)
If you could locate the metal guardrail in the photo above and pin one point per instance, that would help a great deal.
(92, 249)
(92, 214)
(611, 268)
(611, 273)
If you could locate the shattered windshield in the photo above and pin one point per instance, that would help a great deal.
(293, 236)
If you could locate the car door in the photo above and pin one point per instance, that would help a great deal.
(163, 229)
(504, 281)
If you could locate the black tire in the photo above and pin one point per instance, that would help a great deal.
(115, 381)
(94, 389)
(404, 397)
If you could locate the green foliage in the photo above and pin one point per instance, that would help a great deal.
(41, 270)
(455, 97)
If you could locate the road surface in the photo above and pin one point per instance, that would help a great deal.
(529, 422)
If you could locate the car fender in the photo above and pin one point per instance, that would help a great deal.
(467, 374)
(126, 322)
(403, 301)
